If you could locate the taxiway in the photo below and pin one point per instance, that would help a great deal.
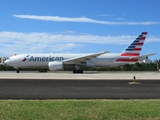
(88, 75)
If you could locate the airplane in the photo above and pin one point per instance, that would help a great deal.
(78, 61)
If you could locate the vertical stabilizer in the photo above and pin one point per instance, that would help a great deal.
(135, 47)
(133, 50)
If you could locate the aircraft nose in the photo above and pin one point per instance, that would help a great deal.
(6, 62)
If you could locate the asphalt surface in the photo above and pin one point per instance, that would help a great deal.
(78, 89)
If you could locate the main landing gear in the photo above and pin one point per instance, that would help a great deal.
(17, 70)
(77, 69)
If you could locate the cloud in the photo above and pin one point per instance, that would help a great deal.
(63, 47)
(82, 19)
(18, 42)
(120, 18)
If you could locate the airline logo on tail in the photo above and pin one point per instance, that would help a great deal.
(133, 50)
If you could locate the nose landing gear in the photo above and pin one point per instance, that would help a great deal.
(17, 70)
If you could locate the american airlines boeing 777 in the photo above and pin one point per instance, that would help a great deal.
(77, 61)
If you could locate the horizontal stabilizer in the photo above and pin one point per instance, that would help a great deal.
(142, 57)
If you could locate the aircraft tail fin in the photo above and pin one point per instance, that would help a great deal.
(135, 47)
(132, 52)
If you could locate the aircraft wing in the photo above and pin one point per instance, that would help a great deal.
(142, 57)
(84, 58)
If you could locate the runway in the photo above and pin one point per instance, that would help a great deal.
(78, 89)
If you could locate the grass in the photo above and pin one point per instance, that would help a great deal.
(79, 109)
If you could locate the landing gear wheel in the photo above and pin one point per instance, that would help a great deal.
(17, 70)
(74, 71)
(78, 71)
(81, 71)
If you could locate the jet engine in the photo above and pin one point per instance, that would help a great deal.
(147, 60)
(56, 65)
(90, 64)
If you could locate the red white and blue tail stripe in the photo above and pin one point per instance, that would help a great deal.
(133, 50)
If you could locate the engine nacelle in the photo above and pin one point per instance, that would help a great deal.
(90, 64)
(147, 61)
(56, 65)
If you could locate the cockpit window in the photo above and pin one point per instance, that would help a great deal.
(13, 55)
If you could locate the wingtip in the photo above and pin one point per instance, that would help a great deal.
(154, 53)
(107, 51)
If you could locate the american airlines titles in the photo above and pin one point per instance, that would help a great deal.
(45, 59)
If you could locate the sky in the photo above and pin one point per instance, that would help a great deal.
(78, 26)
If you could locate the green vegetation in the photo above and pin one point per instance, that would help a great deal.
(2, 67)
(129, 67)
(80, 109)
